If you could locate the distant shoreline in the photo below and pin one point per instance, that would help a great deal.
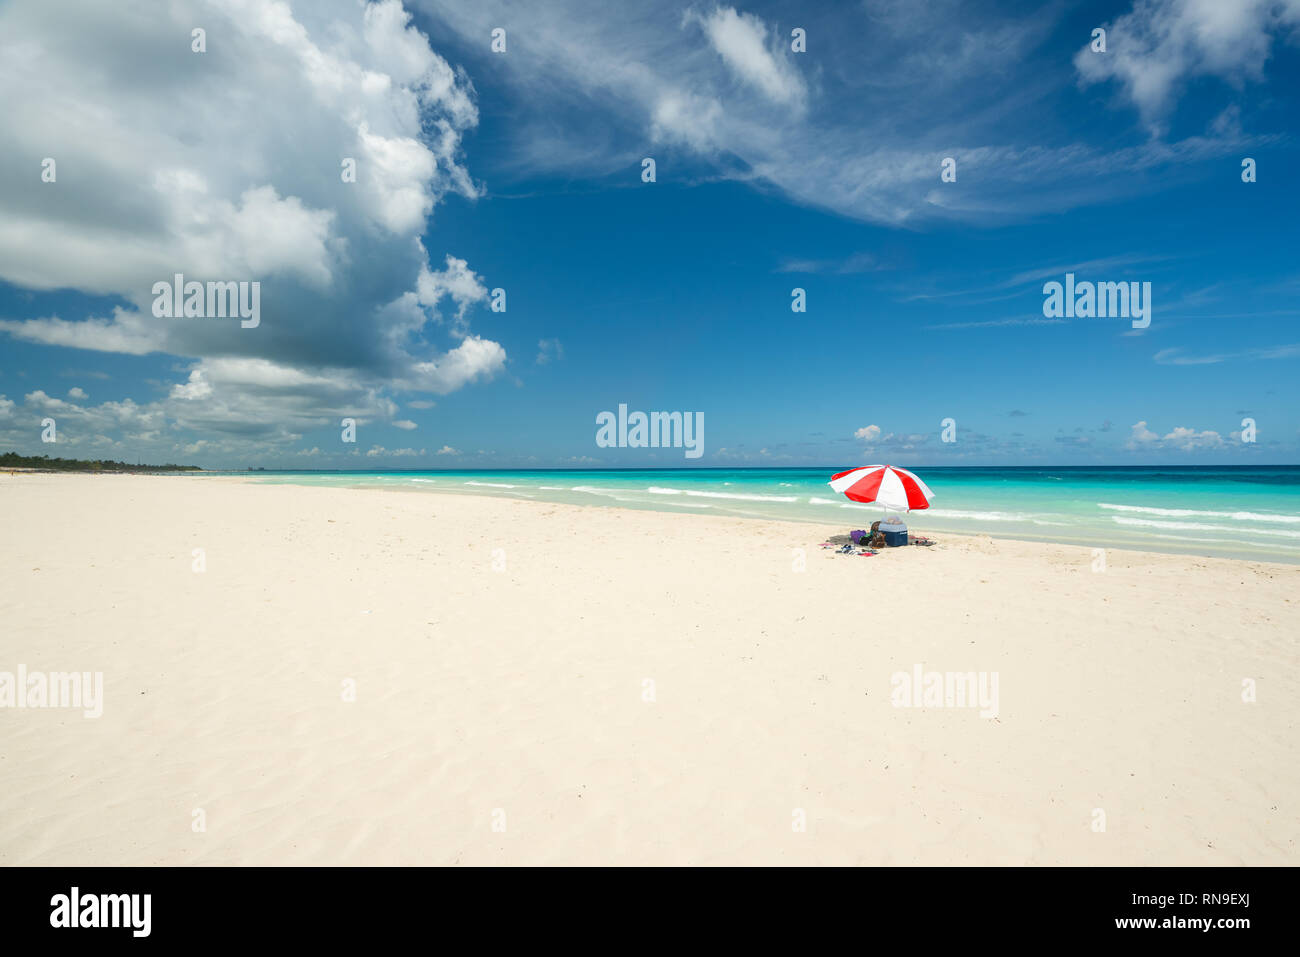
(12, 461)
(137, 470)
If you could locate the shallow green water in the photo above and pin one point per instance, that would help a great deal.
(1233, 512)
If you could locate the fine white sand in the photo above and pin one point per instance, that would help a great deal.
(501, 711)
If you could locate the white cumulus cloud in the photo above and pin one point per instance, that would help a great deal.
(229, 165)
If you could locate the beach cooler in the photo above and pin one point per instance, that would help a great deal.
(894, 530)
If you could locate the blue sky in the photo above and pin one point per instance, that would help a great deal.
(521, 171)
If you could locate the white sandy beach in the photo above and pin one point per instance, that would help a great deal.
(509, 688)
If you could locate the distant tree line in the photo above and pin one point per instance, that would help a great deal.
(14, 460)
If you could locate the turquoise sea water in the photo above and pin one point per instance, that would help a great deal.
(1245, 512)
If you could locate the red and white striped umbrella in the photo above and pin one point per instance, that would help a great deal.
(893, 488)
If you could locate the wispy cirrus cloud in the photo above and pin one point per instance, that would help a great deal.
(1176, 356)
(860, 262)
(828, 128)
(994, 323)
(1016, 283)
